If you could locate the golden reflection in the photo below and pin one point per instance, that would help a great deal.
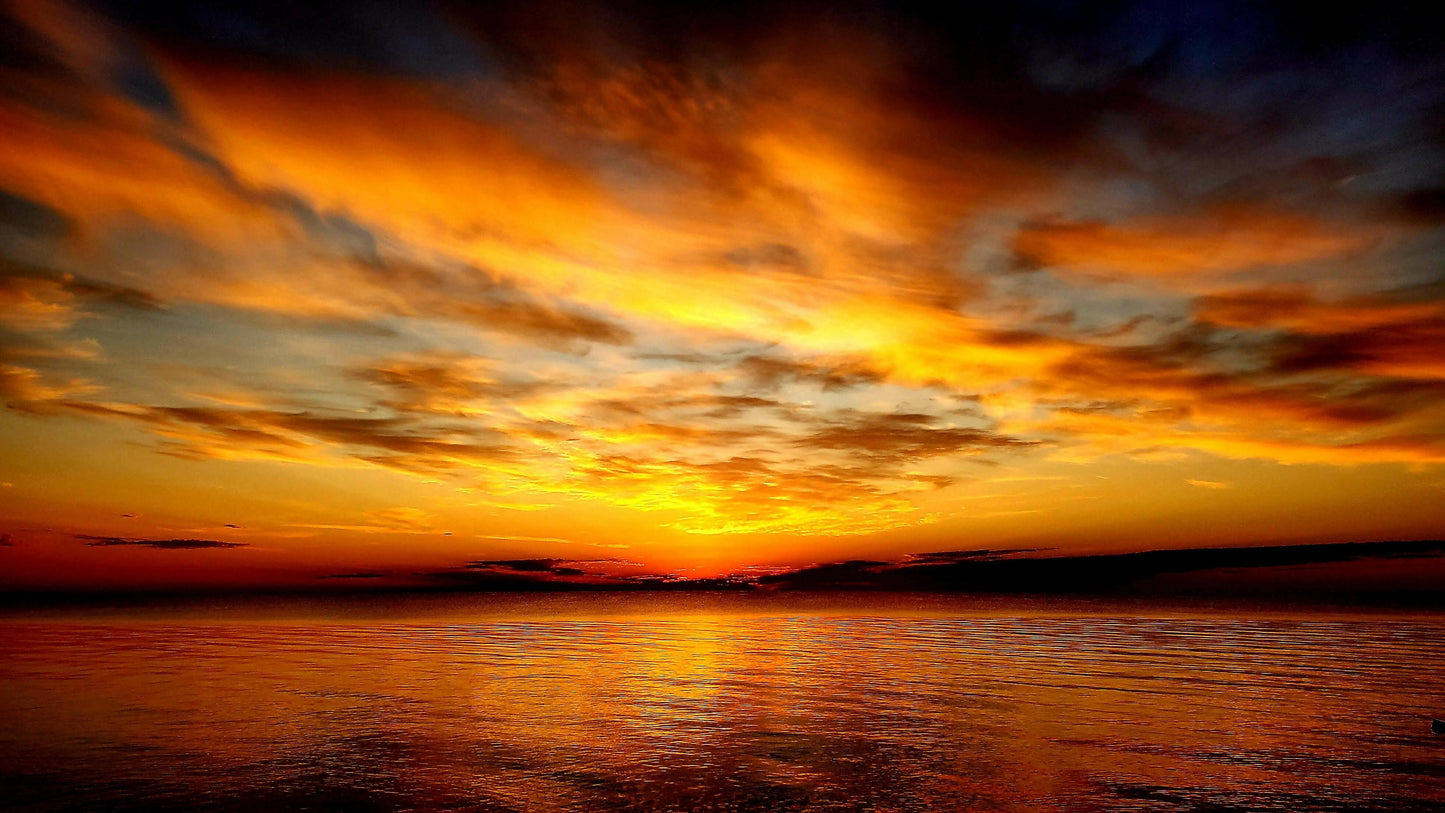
(569, 703)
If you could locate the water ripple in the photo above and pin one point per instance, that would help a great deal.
(861, 706)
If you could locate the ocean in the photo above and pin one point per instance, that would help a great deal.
(719, 702)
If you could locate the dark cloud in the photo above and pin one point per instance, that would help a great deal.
(22, 218)
(768, 372)
(1270, 391)
(446, 383)
(658, 405)
(163, 544)
(903, 436)
(542, 323)
(951, 556)
(1006, 571)
(507, 580)
(769, 257)
(7, 541)
(553, 567)
(1424, 206)
(1037, 75)
(394, 38)
(1391, 334)
(548, 574)
(856, 574)
(1408, 349)
(19, 278)
(685, 358)
(21, 50)
(401, 442)
(477, 297)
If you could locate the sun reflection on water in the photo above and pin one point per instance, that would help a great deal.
(724, 707)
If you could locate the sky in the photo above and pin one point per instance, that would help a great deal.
(302, 291)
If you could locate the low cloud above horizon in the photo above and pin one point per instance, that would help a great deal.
(367, 288)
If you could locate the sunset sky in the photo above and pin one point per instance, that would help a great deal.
(294, 290)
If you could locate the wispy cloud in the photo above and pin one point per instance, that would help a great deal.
(1211, 484)
(163, 544)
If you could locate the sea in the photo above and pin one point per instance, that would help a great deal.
(718, 702)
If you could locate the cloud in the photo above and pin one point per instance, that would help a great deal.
(905, 437)
(1234, 395)
(1425, 206)
(508, 579)
(39, 300)
(206, 432)
(951, 556)
(670, 464)
(402, 520)
(1220, 241)
(27, 390)
(448, 383)
(1402, 349)
(163, 544)
(90, 153)
(24, 219)
(1216, 570)
(124, 169)
(1389, 334)
(410, 519)
(1211, 484)
(552, 574)
(768, 372)
(552, 567)
(545, 324)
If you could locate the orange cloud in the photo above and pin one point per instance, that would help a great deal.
(39, 300)
(1223, 240)
(825, 252)
(1376, 335)
(386, 152)
(28, 390)
(109, 166)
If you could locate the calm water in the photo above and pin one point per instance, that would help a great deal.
(698, 703)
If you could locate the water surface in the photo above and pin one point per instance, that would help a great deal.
(719, 703)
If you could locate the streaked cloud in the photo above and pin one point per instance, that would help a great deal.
(1211, 241)
(163, 544)
(1212, 484)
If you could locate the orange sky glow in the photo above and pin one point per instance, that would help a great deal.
(756, 302)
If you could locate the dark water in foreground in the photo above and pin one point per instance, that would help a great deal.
(701, 703)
